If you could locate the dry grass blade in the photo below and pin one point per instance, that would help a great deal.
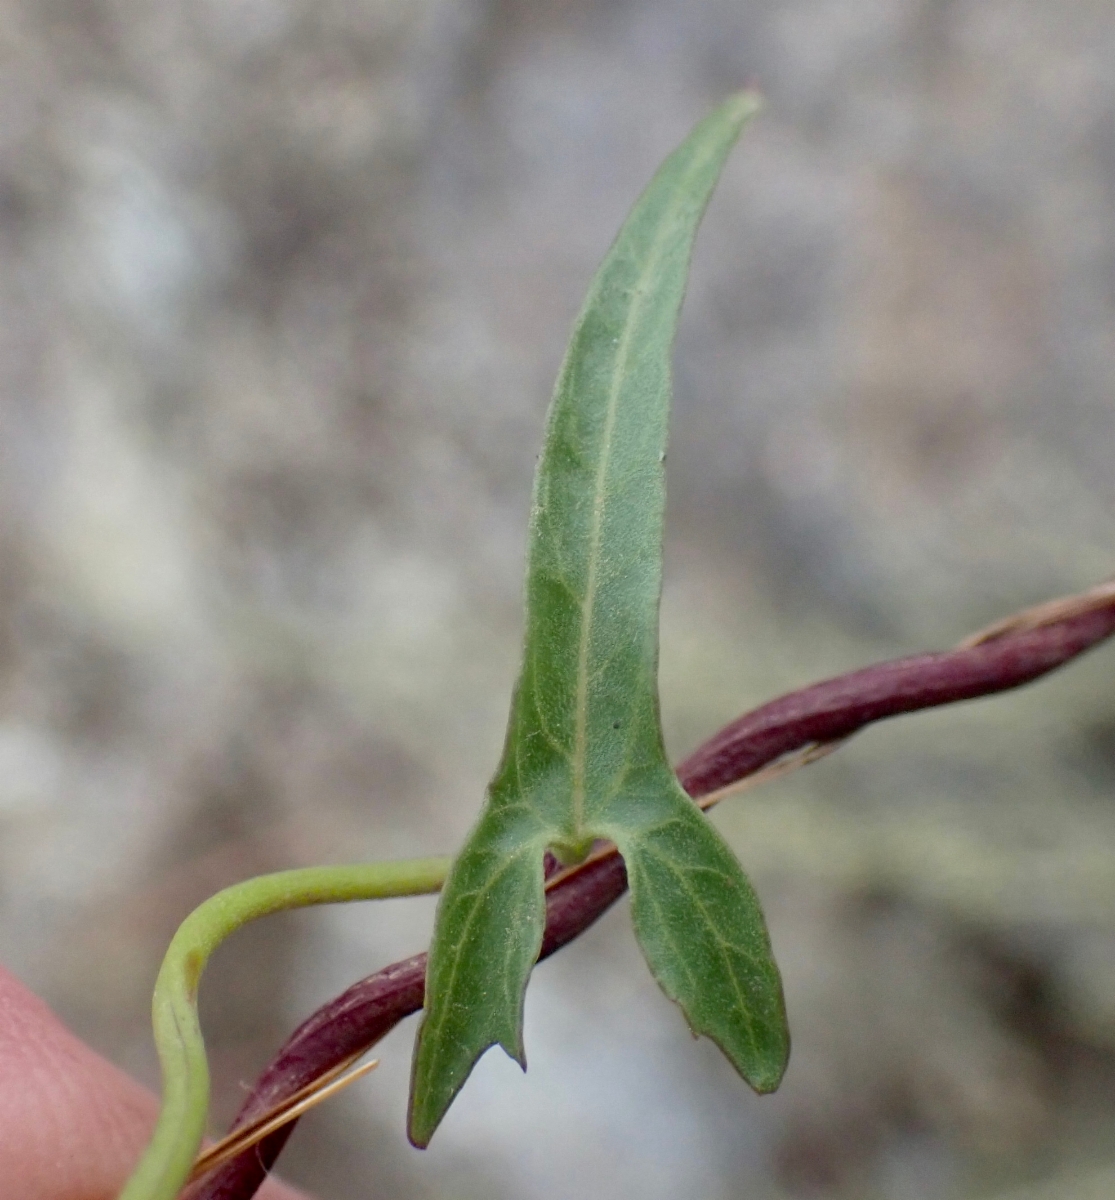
(329, 1084)
(783, 766)
(1049, 613)
(1039, 616)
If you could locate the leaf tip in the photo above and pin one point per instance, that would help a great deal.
(426, 1107)
(747, 101)
(429, 1104)
(741, 106)
(518, 1052)
(418, 1136)
(767, 1077)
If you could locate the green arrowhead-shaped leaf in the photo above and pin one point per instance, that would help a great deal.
(584, 757)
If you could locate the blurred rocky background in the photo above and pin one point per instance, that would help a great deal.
(284, 286)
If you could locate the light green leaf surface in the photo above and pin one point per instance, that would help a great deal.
(584, 757)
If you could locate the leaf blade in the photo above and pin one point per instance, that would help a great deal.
(584, 719)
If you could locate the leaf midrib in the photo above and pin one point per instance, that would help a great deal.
(619, 365)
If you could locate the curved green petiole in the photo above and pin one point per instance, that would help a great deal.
(166, 1163)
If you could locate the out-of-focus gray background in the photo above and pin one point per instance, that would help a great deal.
(284, 285)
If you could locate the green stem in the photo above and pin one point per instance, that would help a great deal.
(166, 1163)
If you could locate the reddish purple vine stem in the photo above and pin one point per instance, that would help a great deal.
(825, 712)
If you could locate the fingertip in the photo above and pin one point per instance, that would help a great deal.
(72, 1125)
